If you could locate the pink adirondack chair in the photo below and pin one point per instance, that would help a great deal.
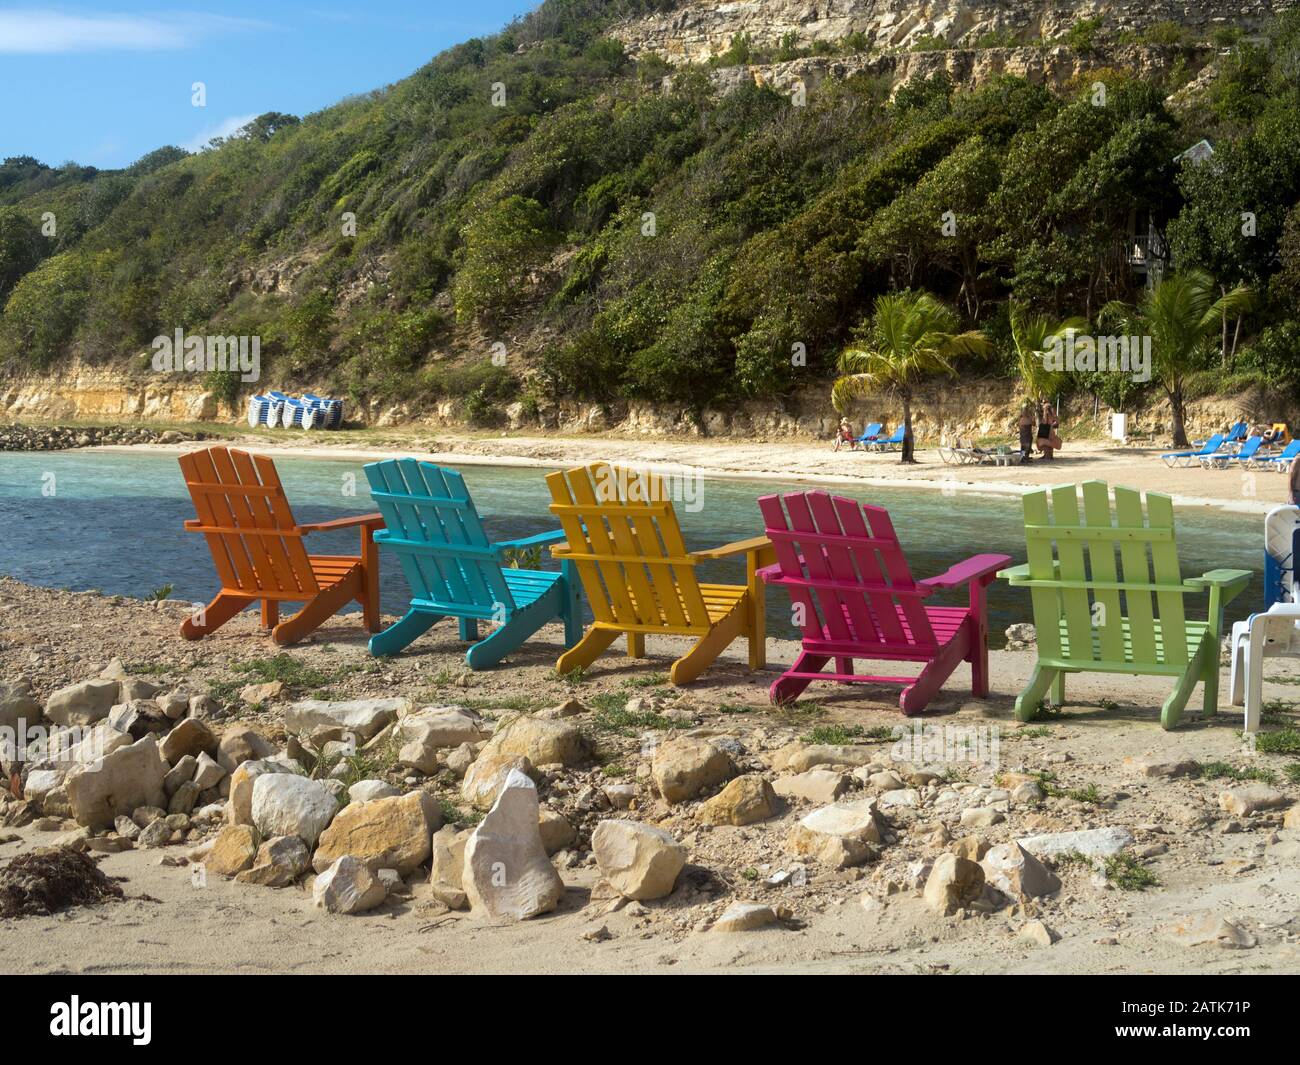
(854, 597)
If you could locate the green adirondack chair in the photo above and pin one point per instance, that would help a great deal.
(1075, 583)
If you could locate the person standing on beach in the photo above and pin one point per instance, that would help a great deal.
(1026, 429)
(1048, 441)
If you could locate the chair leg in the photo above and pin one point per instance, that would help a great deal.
(586, 650)
(916, 696)
(1237, 670)
(636, 645)
(512, 635)
(468, 629)
(270, 613)
(317, 611)
(224, 607)
(1058, 690)
(1039, 681)
(402, 633)
(1254, 670)
(709, 646)
(787, 689)
(571, 605)
(1172, 710)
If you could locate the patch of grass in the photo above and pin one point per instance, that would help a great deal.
(1292, 772)
(836, 735)
(613, 769)
(611, 717)
(290, 671)
(159, 594)
(454, 815)
(1036, 733)
(735, 708)
(1283, 741)
(147, 669)
(1226, 771)
(880, 734)
(1045, 711)
(1071, 859)
(443, 678)
(1129, 874)
(799, 711)
(1107, 704)
(1088, 793)
(522, 703)
(651, 680)
(574, 677)
(749, 873)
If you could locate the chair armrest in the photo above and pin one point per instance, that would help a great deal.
(740, 547)
(560, 550)
(767, 574)
(193, 525)
(373, 521)
(1232, 581)
(976, 568)
(1016, 574)
(552, 537)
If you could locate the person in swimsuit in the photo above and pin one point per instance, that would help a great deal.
(1026, 427)
(1048, 441)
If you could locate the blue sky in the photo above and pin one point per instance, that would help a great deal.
(104, 83)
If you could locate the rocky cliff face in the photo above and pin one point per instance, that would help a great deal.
(1054, 67)
(697, 30)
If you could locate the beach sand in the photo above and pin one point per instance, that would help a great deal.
(1208, 867)
(1244, 491)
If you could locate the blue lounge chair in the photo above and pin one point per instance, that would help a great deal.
(454, 571)
(1279, 462)
(1222, 460)
(1190, 458)
(888, 444)
(869, 434)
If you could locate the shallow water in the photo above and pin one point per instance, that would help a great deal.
(112, 521)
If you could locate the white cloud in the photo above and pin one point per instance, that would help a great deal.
(43, 31)
(224, 128)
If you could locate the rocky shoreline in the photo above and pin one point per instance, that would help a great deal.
(66, 437)
(635, 812)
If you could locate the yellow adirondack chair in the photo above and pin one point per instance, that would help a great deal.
(623, 538)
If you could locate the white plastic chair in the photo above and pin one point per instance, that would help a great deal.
(1269, 635)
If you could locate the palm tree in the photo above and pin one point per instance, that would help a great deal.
(911, 335)
(1031, 335)
(1181, 316)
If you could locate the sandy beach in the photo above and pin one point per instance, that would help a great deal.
(1241, 491)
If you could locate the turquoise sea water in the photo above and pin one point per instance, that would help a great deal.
(112, 521)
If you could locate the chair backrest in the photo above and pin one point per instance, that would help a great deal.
(843, 565)
(1250, 447)
(1213, 444)
(435, 530)
(1237, 432)
(242, 511)
(1289, 452)
(1085, 590)
(871, 430)
(624, 539)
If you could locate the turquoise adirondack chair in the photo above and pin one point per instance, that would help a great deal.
(454, 571)
(1076, 586)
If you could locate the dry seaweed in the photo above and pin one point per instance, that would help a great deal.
(45, 881)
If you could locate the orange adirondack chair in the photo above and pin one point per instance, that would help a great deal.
(259, 554)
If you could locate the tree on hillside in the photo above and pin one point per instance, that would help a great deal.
(910, 336)
(1181, 315)
(20, 249)
(1031, 335)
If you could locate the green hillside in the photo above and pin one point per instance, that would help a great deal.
(624, 240)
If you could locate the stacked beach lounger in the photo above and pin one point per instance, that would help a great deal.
(275, 409)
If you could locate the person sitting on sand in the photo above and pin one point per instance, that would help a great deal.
(1026, 429)
(844, 435)
(1048, 441)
